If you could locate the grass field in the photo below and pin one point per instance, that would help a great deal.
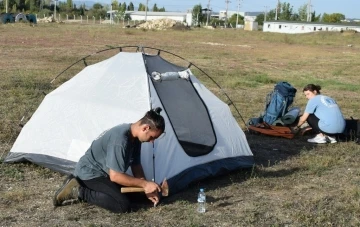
(293, 183)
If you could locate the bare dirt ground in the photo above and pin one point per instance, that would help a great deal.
(293, 183)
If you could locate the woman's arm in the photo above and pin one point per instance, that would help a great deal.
(302, 119)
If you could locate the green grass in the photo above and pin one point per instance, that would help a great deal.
(292, 184)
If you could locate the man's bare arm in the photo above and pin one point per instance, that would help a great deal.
(138, 171)
(127, 180)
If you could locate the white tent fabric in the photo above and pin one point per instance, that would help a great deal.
(119, 90)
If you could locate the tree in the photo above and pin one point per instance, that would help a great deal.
(21, 5)
(155, 8)
(141, 7)
(197, 15)
(295, 17)
(82, 10)
(122, 15)
(115, 5)
(314, 17)
(303, 12)
(260, 19)
(270, 15)
(32, 6)
(333, 18)
(97, 11)
(130, 7)
(286, 11)
(14, 8)
(69, 4)
(233, 18)
(122, 7)
(161, 9)
(97, 6)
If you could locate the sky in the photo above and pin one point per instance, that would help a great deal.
(350, 8)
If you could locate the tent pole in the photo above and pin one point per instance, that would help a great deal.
(154, 161)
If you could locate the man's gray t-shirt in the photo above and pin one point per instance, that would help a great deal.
(113, 149)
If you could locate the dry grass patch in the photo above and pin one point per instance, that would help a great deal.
(292, 184)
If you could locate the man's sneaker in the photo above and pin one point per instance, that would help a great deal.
(317, 139)
(331, 139)
(68, 191)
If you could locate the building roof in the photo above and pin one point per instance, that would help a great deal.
(142, 13)
(313, 23)
(253, 14)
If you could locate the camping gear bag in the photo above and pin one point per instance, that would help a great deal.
(352, 130)
(271, 130)
(278, 102)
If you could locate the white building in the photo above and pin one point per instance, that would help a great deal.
(294, 27)
(142, 15)
(223, 15)
(180, 16)
(248, 16)
(251, 16)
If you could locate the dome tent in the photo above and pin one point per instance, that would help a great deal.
(202, 137)
(20, 17)
(7, 18)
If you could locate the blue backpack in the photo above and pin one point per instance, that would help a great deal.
(278, 102)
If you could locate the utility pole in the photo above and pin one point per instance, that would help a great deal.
(207, 11)
(146, 7)
(276, 10)
(55, 10)
(226, 13)
(309, 12)
(237, 15)
(265, 13)
(111, 13)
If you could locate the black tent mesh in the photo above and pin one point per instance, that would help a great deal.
(186, 111)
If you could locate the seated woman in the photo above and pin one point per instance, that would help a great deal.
(322, 114)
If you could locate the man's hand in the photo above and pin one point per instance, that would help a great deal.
(152, 190)
(151, 187)
(295, 130)
(154, 197)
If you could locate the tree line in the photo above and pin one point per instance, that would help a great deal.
(285, 12)
(68, 7)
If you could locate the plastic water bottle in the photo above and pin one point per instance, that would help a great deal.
(201, 201)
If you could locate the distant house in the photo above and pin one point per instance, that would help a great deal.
(142, 15)
(181, 16)
(248, 16)
(294, 27)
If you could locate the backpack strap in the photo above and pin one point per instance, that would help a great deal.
(285, 105)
